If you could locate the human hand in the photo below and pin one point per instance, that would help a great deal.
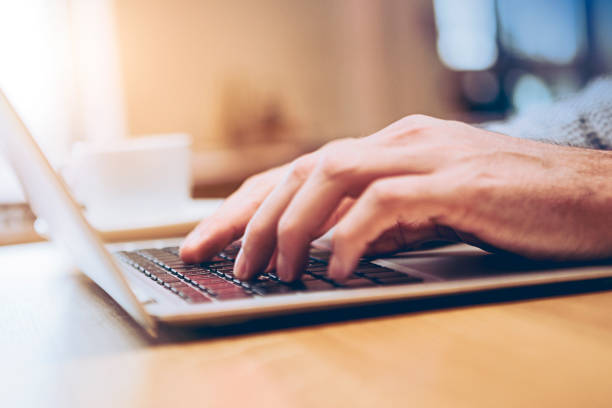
(418, 179)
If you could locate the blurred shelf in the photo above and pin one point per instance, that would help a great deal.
(17, 224)
(219, 169)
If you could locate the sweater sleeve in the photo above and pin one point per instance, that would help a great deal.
(581, 120)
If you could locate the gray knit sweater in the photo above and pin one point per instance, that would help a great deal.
(584, 119)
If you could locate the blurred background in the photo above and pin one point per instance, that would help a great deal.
(257, 83)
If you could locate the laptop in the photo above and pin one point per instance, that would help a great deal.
(154, 286)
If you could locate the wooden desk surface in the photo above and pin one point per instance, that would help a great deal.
(64, 343)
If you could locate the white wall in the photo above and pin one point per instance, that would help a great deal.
(58, 66)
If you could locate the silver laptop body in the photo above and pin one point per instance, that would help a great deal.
(151, 284)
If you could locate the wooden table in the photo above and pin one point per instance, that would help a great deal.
(65, 343)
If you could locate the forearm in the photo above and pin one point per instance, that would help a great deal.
(582, 120)
(559, 200)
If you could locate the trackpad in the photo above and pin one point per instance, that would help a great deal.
(460, 262)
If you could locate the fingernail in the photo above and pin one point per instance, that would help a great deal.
(241, 266)
(186, 242)
(186, 251)
(192, 239)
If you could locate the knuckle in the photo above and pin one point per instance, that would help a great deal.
(382, 193)
(417, 122)
(248, 204)
(416, 118)
(409, 128)
(333, 167)
(340, 237)
(253, 181)
(301, 167)
(338, 160)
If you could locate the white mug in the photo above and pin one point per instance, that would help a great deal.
(137, 177)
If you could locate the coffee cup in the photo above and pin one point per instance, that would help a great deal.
(140, 177)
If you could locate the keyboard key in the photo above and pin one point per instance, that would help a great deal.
(317, 267)
(195, 296)
(170, 278)
(196, 272)
(272, 275)
(320, 255)
(207, 279)
(317, 285)
(367, 269)
(224, 265)
(317, 274)
(178, 285)
(218, 286)
(215, 279)
(230, 252)
(357, 282)
(172, 250)
(235, 292)
(271, 288)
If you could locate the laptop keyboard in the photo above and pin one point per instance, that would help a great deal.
(214, 281)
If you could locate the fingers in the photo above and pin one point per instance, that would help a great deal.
(229, 221)
(343, 207)
(290, 214)
(341, 173)
(260, 238)
(417, 199)
(306, 214)
(301, 206)
(305, 202)
(259, 241)
(212, 235)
